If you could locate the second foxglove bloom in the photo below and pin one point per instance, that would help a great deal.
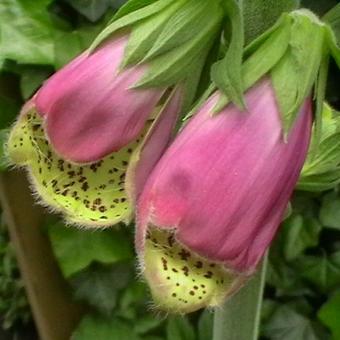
(213, 203)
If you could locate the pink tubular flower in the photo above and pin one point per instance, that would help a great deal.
(86, 128)
(219, 193)
(90, 107)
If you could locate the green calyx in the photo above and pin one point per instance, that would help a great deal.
(297, 71)
(293, 65)
(321, 170)
(181, 281)
(88, 195)
(171, 37)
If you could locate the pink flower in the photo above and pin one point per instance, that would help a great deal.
(86, 132)
(220, 191)
(90, 107)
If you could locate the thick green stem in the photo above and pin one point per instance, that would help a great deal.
(239, 318)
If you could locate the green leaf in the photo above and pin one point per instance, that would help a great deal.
(321, 170)
(31, 79)
(10, 100)
(322, 271)
(178, 327)
(259, 15)
(9, 109)
(26, 31)
(268, 309)
(100, 285)
(287, 324)
(68, 45)
(298, 234)
(77, 249)
(239, 318)
(93, 327)
(329, 315)
(134, 297)
(226, 73)
(330, 211)
(147, 323)
(91, 9)
(285, 278)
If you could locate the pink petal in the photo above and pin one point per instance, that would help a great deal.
(89, 106)
(154, 145)
(226, 180)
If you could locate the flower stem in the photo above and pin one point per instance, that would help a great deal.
(239, 318)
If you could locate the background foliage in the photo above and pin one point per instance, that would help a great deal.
(302, 297)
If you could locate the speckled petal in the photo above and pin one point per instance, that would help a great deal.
(88, 195)
(221, 188)
(181, 281)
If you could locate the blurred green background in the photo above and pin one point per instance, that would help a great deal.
(302, 296)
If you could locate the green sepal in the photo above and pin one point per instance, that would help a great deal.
(270, 51)
(131, 6)
(321, 170)
(293, 77)
(226, 73)
(130, 19)
(320, 92)
(267, 51)
(145, 33)
(285, 19)
(190, 84)
(207, 93)
(173, 66)
(183, 26)
(171, 37)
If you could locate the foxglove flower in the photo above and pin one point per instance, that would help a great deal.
(117, 101)
(214, 201)
(90, 108)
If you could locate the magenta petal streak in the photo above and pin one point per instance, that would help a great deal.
(90, 107)
(153, 146)
(226, 180)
